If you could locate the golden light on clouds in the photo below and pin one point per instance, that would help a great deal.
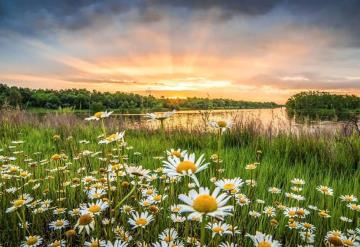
(179, 51)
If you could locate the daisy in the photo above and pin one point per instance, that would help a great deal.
(242, 200)
(254, 214)
(95, 242)
(161, 117)
(307, 227)
(334, 238)
(354, 207)
(229, 184)
(203, 203)
(325, 190)
(58, 224)
(126, 209)
(168, 244)
(32, 241)
(177, 218)
(298, 181)
(20, 202)
(348, 198)
(117, 243)
(227, 244)
(137, 171)
(324, 214)
(345, 219)
(218, 228)
(176, 153)
(140, 220)
(168, 235)
(85, 222)
(269, 211)
(307, 236)
(274, 190)
(99, 115)
(95, 193)
(174, 167)
(262, 240)
(57, 243)
(118, 136)
(94, 208)
(222, 125)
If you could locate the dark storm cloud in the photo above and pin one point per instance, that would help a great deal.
(39, 15)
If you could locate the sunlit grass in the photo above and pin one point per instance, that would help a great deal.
(276, 160)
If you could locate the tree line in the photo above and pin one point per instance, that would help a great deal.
(82, 99)
(315, 100)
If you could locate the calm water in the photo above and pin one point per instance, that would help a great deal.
(277, 118)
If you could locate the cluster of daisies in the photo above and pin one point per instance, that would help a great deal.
(64, 200)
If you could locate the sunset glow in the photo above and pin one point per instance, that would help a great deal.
(179, 49)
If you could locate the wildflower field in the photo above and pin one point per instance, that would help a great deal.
(97, 182)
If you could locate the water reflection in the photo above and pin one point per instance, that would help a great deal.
(278, 119)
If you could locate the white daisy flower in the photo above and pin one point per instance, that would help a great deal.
(223, 125)
(140, 220)
(117, 243)
(32, 241)
(168, 235)
(58, 224)
(201, 202)
(175, 167)
(229, 184)
(99, 115)
(262, 240)
(94, 208)
(176, 153)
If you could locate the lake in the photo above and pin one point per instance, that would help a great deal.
(278, 119)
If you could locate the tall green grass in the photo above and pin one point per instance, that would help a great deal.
(319, 159)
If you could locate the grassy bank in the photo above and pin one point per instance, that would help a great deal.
(319, 159)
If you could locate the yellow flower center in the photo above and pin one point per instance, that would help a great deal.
(221, 124)
(292, 213)
(56, 157)
(98, 114)
(348, 242)
(94, 244)
(56, 244)
(176, 153)
(307, 225)
(70, 233)
(185, 166)
(59, 223)
(111, 137)
(205, 204)
(217, 229)
(323, 214)
(168, 239)
(85, 219)
(19, 202)
(94, 208)
(264, 244)
(229, 186)
(141, 221)
(335, 240)
(32, 240)
(13, 169)
(157, 198)
(149, 192)
(23, 174)
(300, 212)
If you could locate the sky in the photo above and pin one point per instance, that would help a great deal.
(258, 50)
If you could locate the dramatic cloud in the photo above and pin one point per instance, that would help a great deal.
(248, 49)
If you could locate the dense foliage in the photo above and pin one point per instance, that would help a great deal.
(314, 100)
(83, 99)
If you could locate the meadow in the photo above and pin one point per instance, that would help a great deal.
(66, 181)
